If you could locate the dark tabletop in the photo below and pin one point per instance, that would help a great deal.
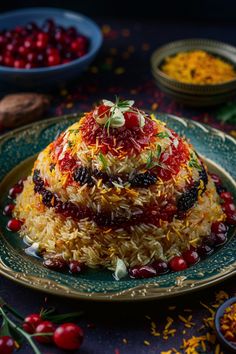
(122, 68)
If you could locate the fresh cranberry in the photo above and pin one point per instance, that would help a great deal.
(68, 336)
(231, 218)
(228, 208)
(216, 179)
(210, 240)
(204, 250)
(14, 225)
(31, 57)
(19, 64)
(191, 256)
(219, 227)
(78, 44)
(28, 43)
(31, 322)
(7, 345)
(76, 267)
(30, 65)
(14, 191)
(226, 196)
(8, 59)
(131, 120)
(161, 267)
(8, 209)
(142, 272)
(53, 60)
(23, 51)
(55, 263)
(220, 239)
(177, 264)
(45, 327)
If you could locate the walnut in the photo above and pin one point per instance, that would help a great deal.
(22, 108)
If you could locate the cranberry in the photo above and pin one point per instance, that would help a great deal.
(31, 322)
(216, 179)
(55, 263)
(161, 267)
(7, 345)
(14, 225)
(14, 191)
(220, 239)
(226, 196)
(131, 120)
(31, 57)
(72, 32)
(8, 59)
(30, 65)
(78, 44)
(177, 264)
(23, 51)
(231, 218)
(228, 208)
(142, 272)
(219, 227)
(191, 256)
(45, 327)
(19, 64)
(28, 43)
(68, 336)
(31, 27)
(204, 250)
(53, 60)
(76, 267)
(210, 240)
(8, 209)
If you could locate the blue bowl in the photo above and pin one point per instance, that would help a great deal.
(219, 313)
(47, 77)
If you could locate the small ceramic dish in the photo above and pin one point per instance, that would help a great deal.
(194, 94)
(219, 313)
(47, 77)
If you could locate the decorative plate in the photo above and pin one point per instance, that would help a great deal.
(17, 150)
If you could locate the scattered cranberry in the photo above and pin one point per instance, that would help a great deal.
(68, 336)
(142, 272)
(76, 267)
(45, 327)
(220, 239)
(231, 218)
(177, 264)
(191, 256)
(131, 120)
(14, 225)
(7, 345)
(20, 46)
(219, 227)
(161, 267)
(55, 263)
(226, 196)
(204, 250)
(210, 240)
(228, 208)
(31, 322)
(14, 191)
(8, 209)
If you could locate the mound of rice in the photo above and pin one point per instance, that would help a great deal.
(118, 184)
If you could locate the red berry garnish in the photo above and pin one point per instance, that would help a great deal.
(31, 322)
(131, 120)
(204, 250)
(14, 225)
(7, 345)
(142, 272)
(220, 239)
(177, 264)
(14, 191)
(191, 256)
(228, 208)
(76, 267)
(8, 209)
(226, 196)
(55, 263)
(19, 64)
(160, 266)
(219, 227)
(103, 111)
(231, 218)
(68, 336)
(45, 327)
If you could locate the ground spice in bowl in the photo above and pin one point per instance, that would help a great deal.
(198, 67)
(228, 324)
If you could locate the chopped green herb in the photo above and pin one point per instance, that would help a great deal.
(163, 135)
(75, 131)
(193, 162)
(158, 151)
(149, 163)
(103, 160)
(70, 144)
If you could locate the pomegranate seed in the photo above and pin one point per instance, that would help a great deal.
(177, 264)
(219, 228)
(191, 256)
(216, 179)
(76, 267)
(142, 272)
(55, 263)
(8, 209)
(161, 267)
(131, 120)
(14, 191)
(14, 225)
(204, 250)
(226, 196)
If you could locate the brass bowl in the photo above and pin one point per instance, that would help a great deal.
(194, 94)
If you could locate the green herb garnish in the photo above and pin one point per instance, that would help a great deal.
(163, 135)
(158, 151)
(103, 160)
(193, 162)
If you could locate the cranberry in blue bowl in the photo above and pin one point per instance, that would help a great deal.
(45, 47)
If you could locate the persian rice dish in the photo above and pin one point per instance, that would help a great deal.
(120, 190)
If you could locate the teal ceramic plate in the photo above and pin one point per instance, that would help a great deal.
(17, 150)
